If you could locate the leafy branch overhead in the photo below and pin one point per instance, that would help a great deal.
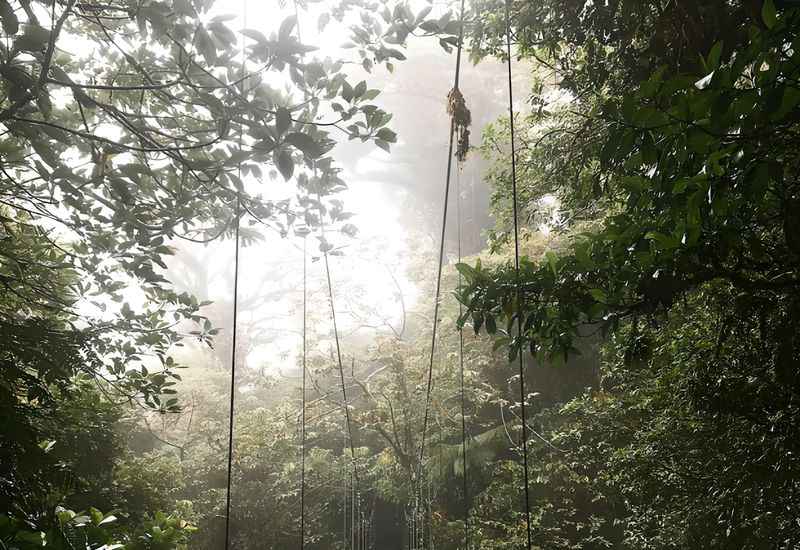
(696, 173)
(127, 127)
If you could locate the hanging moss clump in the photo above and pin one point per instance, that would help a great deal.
(462, 118)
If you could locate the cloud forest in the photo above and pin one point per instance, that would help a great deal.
(399, 274)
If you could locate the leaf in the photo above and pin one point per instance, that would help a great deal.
(253, 34)
(184, 7)
(789, 101)
(349, 229)
(283, 119)
(466, 270)
(714, 56)
(387, 135)
(769, 14)
(285, 164)
(205, 45)
(665, 242)
(423, 13)
(323, 21)
(44, 103)
(552, 261)
(360, 89)
(681, 185)
(305, 143)
(598, 294)
(286, 27)
(108, 519)
(237, 157)
(430, 26)
(33, 39)
(370, 94)
(397, 54)
(10, 21)
(96, 515)
(347, 91)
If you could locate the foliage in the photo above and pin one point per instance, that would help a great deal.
(664, 172)
(109, 158)
(677, 192)
(93, 531)
(698, 195)
(156, 132)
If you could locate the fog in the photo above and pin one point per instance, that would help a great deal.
(253, 301)
(382, 276)
(396, 200)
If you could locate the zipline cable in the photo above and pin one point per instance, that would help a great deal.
(344, 493)
(349, 432)
(437, 296)
(338, 345)
(235, 320)
(233, 377)
(441, 255)
(429, 385)
(461, 373)
(518, 283)
(333, 318)
(303, 414)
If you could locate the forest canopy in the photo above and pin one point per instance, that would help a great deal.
(653, 206)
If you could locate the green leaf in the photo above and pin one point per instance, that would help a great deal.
(359, 90)
(387, 135)
(714, 56)
(598, 294)
(108, 519)
(323, 21)
(33, 39)
(397, 54)
(370, 94)
(789, 101)
(184, 7)
(253, 34)
(205, 45)
(347, 92)
(286, 27)
(305, 143)
(10, 21)
(466, 270)
(665, 242)
(680, 186)
(285, 164)
(96, 515)
(552, 261)
(44, 103)
(423, 13)
(769, 14)
(283, 119)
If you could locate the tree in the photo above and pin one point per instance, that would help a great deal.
(105, 160)
(114, 157)
(680, 249)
